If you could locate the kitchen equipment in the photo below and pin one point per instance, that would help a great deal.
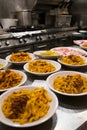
(33, 39)
(7, 23)
(63, 20)
(24, 17)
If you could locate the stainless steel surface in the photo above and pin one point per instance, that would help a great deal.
(38, 6)
(11, 6)
(23, 40)
(24, 17)
(15, 5)
(7, 23)
(70, 114)
(27, 40)
(72, 111)
(63, 20)
(77, 8)
(31, 4)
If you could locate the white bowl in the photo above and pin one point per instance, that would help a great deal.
(39, 54)
(78, 42)
(83, 47)
(4, 63)
(74, 66)
(69, 51)
(83, 31)
(51, 78)
(22, 81)
(51, 111)
(54, 63)
(19, 63)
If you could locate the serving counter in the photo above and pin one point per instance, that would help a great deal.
(71, 112)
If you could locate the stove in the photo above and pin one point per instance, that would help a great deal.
(24, 38)
(25, 28)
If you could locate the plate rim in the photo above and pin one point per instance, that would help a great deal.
(62, 93)
(44, 56)
(6, 63)
(43, 74)
(74, 48)
(36, 122)
(81, 45)
(73, 66)
(8, 59)
(22, 82)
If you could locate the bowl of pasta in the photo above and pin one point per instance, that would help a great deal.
(27, 106)
(42, 67)
(73, 61)
(20, 57)
(69, 83)
(46, 54)
(3, 63)
(10, 78)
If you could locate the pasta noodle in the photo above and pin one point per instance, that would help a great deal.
(73, 60)
(84, 44)
(72, 84)
(9, 78)
(49, 53)
(41, 66)
(1, 65)
(20, 57)
(26, 106)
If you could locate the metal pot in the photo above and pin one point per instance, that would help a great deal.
(7, 23)
(24, 17)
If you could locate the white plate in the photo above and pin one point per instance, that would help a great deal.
(74, 66)
(39, 54)
(4, 63)
(22, 81)
(83, 31)
(78, 42)
(19, 63)
(54, 63)
(76, 33)
(81, 45)
(51, 78)
(69, 51)
(52, 110)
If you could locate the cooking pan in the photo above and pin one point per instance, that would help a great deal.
(24, 17)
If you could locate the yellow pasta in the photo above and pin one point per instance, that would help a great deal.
(84, 44)
(72, 84)
(20, 57)
(41, 66)
(1, 65)
(49, 53)
(73, 60)
(26, 105)
(9, 78)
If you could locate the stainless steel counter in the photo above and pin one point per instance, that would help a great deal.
(71, 113)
